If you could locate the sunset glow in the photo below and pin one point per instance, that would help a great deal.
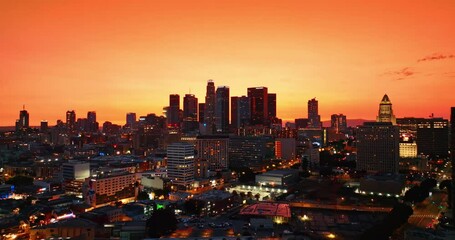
(115, 57)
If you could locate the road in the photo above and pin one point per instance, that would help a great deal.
(426, 213)
(339, 207)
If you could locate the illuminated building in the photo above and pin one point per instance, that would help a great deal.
(109, 187)
(214, 149)
(92, 124)
(190, 123)
(180, 164)
(209, 110)
(258, 105)
(385, 113)
(201, 168)
(408, 149)
(250, 151)
(378, 147)
(222, 109)
(314, 119)
(280, 177)
(201, 112)
(23, 121)
(173, 111)
(75, 170)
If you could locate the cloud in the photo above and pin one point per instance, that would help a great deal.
(436, 56)
(400, 74)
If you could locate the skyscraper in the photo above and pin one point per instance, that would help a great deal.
(258, 105)
(338, 123)
(378, 147)
(209, 111)
(92, 124)
(222, 109)
(314, 119)
(272, 105)
(214, 149)
(180, 164)
(385, 113)
(201, 112)
(131, 120)
(70, 120)
(173, 112)
(240, 111)
(23, 121)
(190, 105)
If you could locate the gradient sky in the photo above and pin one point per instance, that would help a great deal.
(115, 57)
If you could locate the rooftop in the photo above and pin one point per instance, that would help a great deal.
(267, 209)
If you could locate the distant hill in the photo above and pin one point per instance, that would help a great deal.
(351, 122)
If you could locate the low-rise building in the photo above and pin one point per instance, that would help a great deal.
(280, 177)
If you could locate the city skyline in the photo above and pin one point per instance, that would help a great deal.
(128, 57)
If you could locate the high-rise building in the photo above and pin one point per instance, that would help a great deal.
(240, 111)
(131, 120)
(201, 112)
(338, 123)
(210, 105)
(385, 113)
(222, 109)
(452, 151)
(44, 126)
(23, 121)
(433, 137)
(173, 111)
(73, 170)
(258, 105)
(214, 149)
(180, 164)
(378, 147)
(314, 119)
(70, 120)
(190, 123)
(92, 124)
(272, 105)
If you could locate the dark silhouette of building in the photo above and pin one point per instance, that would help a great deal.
(240, 112)
(258, 105)
(92, 124)
(272, 105)
(173, 111)
(338, 123)
(70, 120)
(131, 120)
(201, 112)
(452, 151)
(209, 111)
(190, 123)
(314, 119)
(23, 122)
(301, 123)
(44, 126)
(222, 109)
(378, 147)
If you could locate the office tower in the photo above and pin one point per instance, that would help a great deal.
(190, 123)
(222, 109)
(73, 170)
(214, 149)
(44, 126)
(201, 112)
(378, 147)
(131, 120)
(180, 164)
(338, 123)
(249, 151)
(23, 121)
(314, 120)
(272, 105)
(385, 113)
(285, 148)
(452, 151)
(173, 111)
(210, 105)
(433, 137)
(240, 112)
(70, 120)
(258, 105)
(92, 124)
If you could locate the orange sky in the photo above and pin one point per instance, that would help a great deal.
(128, 56)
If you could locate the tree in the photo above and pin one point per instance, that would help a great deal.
(257, 196)
(162, 222)
(194, 206)
(143, 196)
